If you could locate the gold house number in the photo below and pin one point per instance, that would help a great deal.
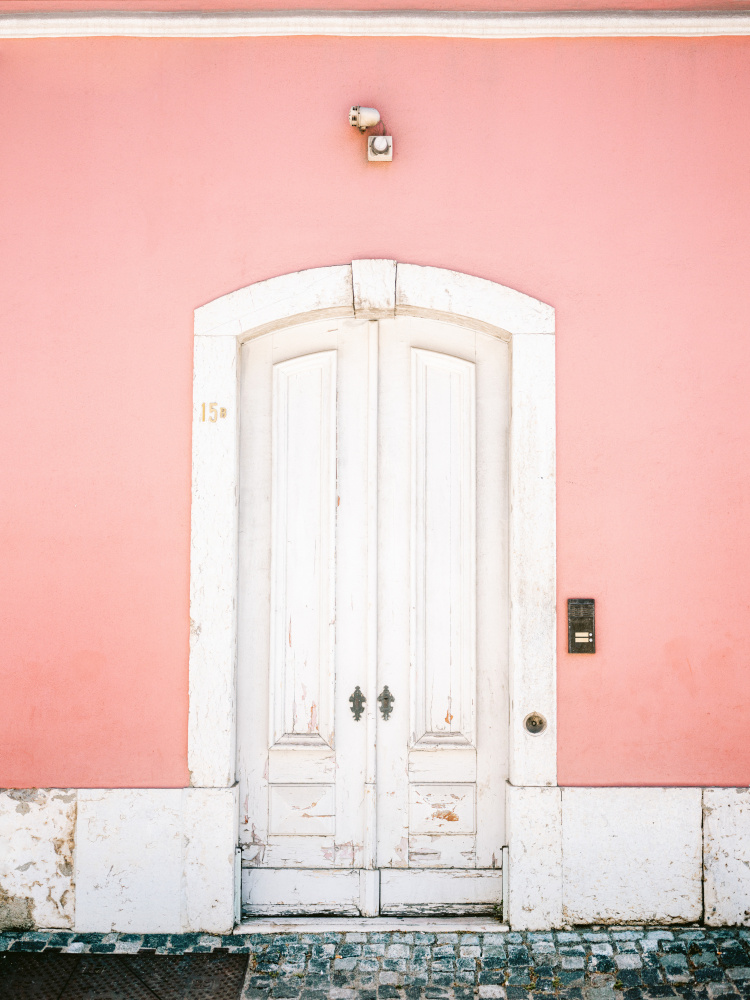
(214, 412)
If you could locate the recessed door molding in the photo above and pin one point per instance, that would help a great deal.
(371, 289)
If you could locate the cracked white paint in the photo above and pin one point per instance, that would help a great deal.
(631, 854)
(726, 855)
(36, 858)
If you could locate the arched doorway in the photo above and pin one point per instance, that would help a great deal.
(388, 446)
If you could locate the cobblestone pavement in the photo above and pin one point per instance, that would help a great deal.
(628, 963)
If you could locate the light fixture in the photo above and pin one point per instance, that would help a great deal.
(379, 147)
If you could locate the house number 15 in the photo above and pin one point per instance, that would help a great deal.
(214, 412)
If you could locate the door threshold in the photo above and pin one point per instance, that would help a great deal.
(321, 925)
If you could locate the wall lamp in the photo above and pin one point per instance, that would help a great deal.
(379, 147)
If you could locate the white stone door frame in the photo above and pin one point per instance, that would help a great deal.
(371, 289)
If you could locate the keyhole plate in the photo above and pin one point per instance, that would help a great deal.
(357, 701)
(386, 700)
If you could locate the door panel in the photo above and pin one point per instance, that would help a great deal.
(303, 564)
(303, 615)
(373, 552)
(443, 473)
(267, 891)
(440, 892)
(443, 498)
(436, 809)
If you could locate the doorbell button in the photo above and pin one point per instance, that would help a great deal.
(535, 723)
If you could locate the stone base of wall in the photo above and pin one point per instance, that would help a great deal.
(146, 860)
(163, 860)
(628, 855)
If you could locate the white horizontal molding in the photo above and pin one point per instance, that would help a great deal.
(436, 24)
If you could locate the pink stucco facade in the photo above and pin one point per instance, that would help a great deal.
(143, 178)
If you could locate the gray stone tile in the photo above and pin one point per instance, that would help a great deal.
(673, 961)
(719, 989)
(344, 964)
(600, 993)
(703, 959)
(572, 962)
(390, 978)
(397, 951)
(626, 960)
(394, 964)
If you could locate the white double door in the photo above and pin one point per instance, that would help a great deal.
(372, 660)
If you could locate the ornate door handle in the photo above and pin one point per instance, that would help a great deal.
(386, 700)
(357, 701)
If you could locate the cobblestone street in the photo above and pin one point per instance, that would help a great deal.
(581, 964)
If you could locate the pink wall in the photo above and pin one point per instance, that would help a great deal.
(140, 179)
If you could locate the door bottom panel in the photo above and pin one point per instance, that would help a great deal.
(300, 892)
(431, 892)
(268, 892)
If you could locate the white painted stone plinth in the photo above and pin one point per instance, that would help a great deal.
(534, 824)
(631, 854)
(726, 855)
(156, 860)
(36, 857)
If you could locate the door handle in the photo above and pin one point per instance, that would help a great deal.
(386, 700)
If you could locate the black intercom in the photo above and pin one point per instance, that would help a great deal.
(581, 633)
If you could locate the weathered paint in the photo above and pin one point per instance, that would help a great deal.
(162, 860)
(36, 861)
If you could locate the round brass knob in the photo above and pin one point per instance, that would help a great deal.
(535, 723)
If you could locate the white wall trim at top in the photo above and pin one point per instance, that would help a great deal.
(372, 288)
(391, 23)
